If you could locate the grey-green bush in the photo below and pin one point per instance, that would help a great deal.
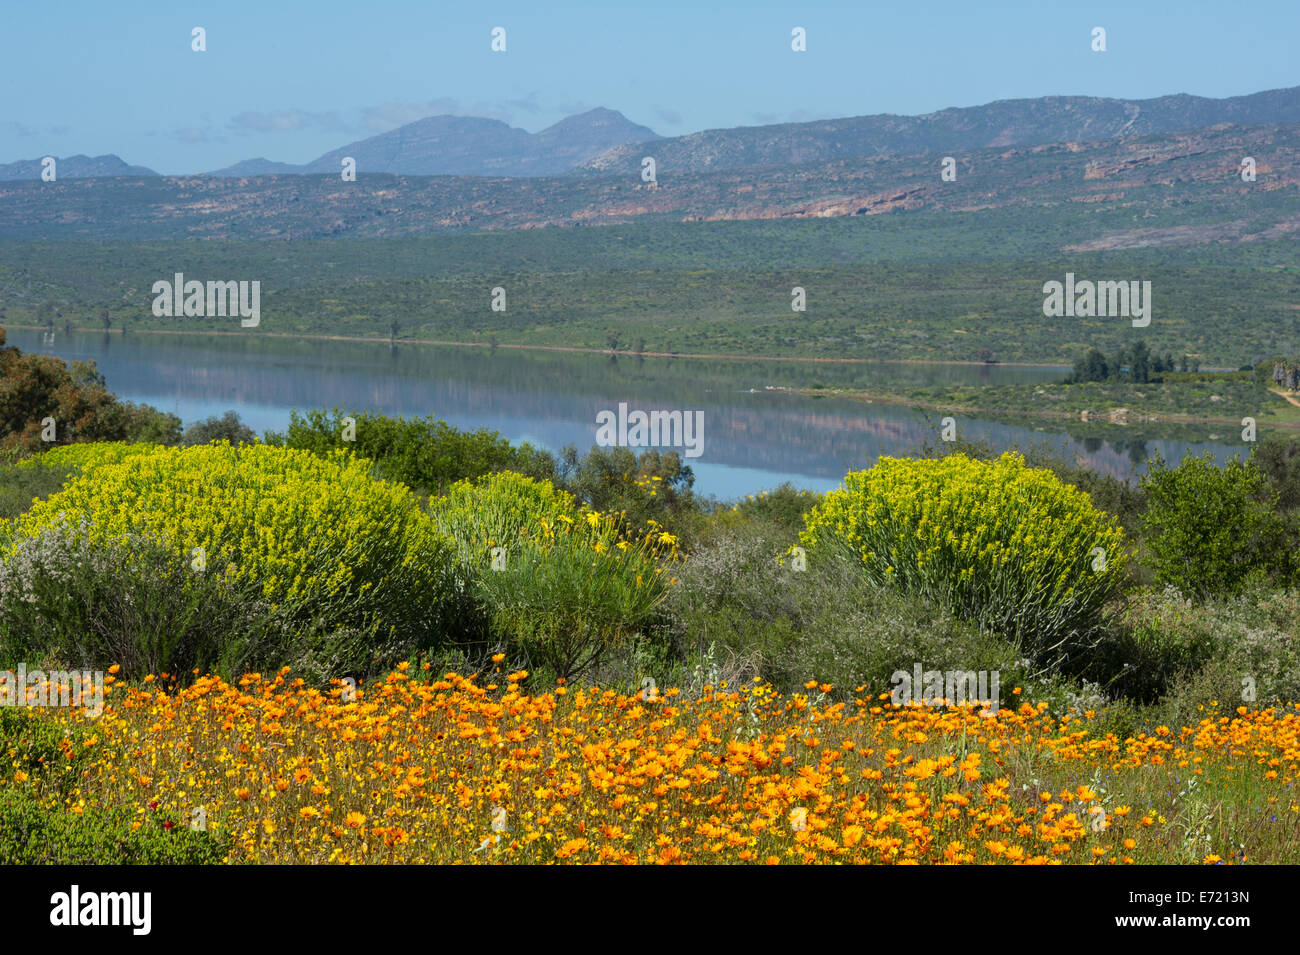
(1167, 646)
(133, 603)
(763, 618)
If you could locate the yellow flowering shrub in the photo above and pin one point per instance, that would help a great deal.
(500, 510)
(317, 536)
(75, 458)
(59, 465)
(1010, 546)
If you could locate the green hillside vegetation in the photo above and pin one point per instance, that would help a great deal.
(720, 288)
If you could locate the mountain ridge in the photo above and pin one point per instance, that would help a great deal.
(1011, 122)
(602, 141)
(79, 166)
(1161, 189)
(447, 145)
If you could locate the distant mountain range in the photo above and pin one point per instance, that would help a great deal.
(74, 167)
(1018, 122)
(603, 141)
(1160, 189)
(433, 146)
(470, 146)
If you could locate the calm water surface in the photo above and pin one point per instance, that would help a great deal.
(754, 437)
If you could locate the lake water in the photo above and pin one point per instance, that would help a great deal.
(753, 439)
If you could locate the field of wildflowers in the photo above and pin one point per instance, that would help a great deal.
(419, 768)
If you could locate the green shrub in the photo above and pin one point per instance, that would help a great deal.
(1279, 461)
(145, 424)
(499, 510)
(561, 587)
(36, 477)
(1125, 501)
(782, 508)
(999, 543)
(1210, 530)
(1215, 690)
(425, 454)
(72, 459)
(742, 607)
(129, 601)
(653, 486)
(325, 546)
(227, 428)
(1113, 495)
(34, 834)
(1167, 647)
(1160, 637)
(19, 486)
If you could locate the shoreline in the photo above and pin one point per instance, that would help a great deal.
(307, 336)
(1135, 418)
(886, 398)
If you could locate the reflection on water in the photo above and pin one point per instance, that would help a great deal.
(754, 438)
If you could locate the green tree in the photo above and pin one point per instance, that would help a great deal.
(1091, 367)
(1209, 530)
(228, 427)
(1139, 362)
(1116, 365)
(654, 486)
(1279, 461)
(425, 454)
(147, 424)
(36, 387)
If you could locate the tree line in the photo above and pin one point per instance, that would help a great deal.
(1135, 363)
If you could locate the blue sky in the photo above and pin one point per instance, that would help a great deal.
(290, 80)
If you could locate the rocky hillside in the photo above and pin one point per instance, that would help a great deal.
(1050, 119)
(1180, 188)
